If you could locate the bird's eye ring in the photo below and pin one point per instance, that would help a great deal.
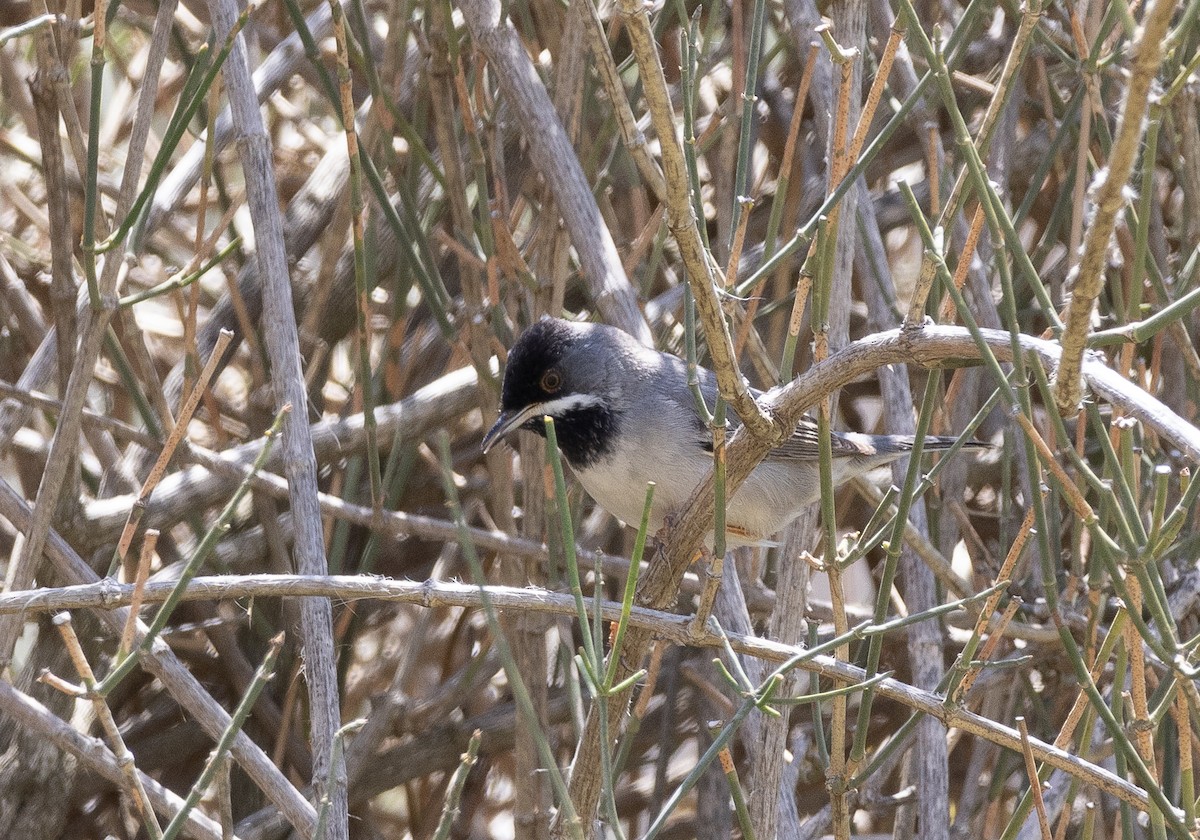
(551, 381)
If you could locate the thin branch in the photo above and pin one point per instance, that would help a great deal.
(662, 625)
(175, 677)
(555, 158)
(1110, 198)
(701, 272)
(91, 752)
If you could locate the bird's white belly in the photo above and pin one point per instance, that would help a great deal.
(618, 484)
(769, 499)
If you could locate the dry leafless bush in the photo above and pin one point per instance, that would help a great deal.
(958, 218)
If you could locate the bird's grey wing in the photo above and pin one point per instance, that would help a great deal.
(708, 387)
(802, 445)
(805, 444)
(672, 383)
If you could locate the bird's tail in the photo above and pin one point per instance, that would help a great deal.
(933, 443)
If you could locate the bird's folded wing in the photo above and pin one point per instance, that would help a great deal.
(804, 444)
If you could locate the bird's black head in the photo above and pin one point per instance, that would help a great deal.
(555, 368)
(534, 371)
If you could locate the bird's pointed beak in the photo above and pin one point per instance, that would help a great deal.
(508, 421)
(499, 429)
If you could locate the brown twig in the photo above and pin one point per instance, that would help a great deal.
(663, 625)
(1035, 784)
(1109, 199)
(124, 758)
(138, 508)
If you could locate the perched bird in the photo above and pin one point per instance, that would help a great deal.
(624, 415)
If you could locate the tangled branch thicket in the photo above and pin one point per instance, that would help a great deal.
(953, 218)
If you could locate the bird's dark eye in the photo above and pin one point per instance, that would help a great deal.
(551, 381)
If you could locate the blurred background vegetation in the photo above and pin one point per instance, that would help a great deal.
(835, 171)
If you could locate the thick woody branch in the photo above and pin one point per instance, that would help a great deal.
(296, 444)
(927, 347)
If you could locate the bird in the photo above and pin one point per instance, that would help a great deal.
(625, 415)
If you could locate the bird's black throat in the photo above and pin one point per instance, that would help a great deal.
(585, 435)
